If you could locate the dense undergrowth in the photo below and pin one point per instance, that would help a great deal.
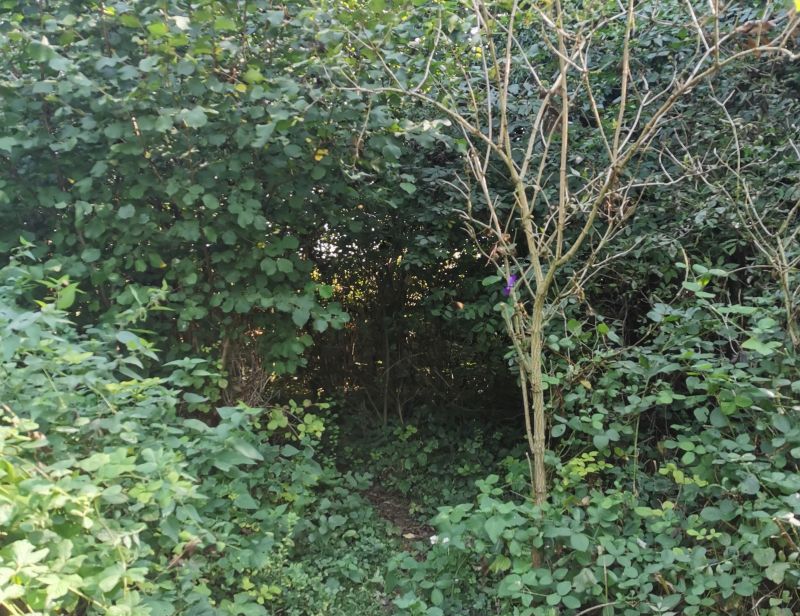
(698, 518)
(117, 499)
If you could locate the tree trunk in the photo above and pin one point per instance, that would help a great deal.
(537, 401)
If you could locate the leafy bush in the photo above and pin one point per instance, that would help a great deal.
(703, 517)
(113, 502)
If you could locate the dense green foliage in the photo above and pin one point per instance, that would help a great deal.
(251, 362)
(114, 500)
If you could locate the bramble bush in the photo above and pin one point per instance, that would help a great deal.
(116, 500)
(701, 517)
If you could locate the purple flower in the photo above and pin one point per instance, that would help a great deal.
(510, 282)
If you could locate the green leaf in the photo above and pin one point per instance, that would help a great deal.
(59, 587)
(300, 316)
(126, 211)
(711, 514)
(263, 133)
(196, 424)
(193, 398)
(224, 24)
(253, 75)
(195, 118)
(744, 588)
(129, 339)
(275, 18)
(59, 63)
(781, 423)
(325, 291)
(268, 266)
(148, 63)
(109, 578)
(293, 150)
(90, 255)
(510, 586)
(66, 296)
(754, 344)
(130, 21)
(7, 143)
(764, 557)
(25, 553)
(211, 202)
(247, 450)
(750, 485)
(158, 607)
(776, 572)
(579, 542)
(494, 526)
(408, 187)
(158, 29)
(289, 451)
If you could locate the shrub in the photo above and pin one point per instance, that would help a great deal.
(114, 500)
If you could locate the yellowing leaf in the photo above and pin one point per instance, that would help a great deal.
(66, 296)
(158, 29)
(253, 75)
(320, 154)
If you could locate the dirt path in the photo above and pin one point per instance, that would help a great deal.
(394, 507)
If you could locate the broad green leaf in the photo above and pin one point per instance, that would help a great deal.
(195, 117)
(158, 29)
(109, 577)
(776, 572)
(579, 542)
(755, 344)
(764, 556)
(7, 143)
(66, 296)
(300, 316)
(494, 526)
(90, 255)
(25, 553)
(275, 18)
(253, 75)
(246, 449)
(750, 485)
(224, 24)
